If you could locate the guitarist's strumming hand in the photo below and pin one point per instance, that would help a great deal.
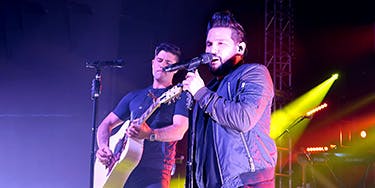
(142, 131)
(104, 154)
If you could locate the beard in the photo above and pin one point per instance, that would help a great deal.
(224, 68)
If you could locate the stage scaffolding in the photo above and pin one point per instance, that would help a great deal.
(278, 57)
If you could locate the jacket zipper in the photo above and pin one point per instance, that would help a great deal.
(249, 158)
(217, 158)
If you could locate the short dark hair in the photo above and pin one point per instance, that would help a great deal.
(169, 47)
(226, 19)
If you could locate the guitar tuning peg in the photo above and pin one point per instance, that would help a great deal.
(172, 101)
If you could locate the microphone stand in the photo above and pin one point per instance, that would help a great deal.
(289, 149)
(293, 124)
(95, 93)
(190, 157)
(191, 142)
(192, 66)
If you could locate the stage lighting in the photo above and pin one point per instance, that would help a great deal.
(316, 109)
(314, 149)
(363, 134)
(335, 76)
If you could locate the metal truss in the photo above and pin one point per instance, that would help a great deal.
(278, 57)
(279, 47)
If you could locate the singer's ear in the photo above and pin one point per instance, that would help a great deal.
(241, 48)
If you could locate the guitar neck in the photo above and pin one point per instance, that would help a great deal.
(169, 95)
(149, 112)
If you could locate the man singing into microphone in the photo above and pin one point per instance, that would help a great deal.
(190, 65)
(232, 113)
(161, 130)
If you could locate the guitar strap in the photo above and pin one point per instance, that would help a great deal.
(144, 102)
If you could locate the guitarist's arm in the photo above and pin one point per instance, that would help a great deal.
(169, 133)
(173, 132)
(104, 154)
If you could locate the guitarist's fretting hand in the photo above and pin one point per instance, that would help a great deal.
(104, 154)
(142, 131)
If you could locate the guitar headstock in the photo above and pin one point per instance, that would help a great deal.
(170, 95)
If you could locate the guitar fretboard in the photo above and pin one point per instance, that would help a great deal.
(149, 111)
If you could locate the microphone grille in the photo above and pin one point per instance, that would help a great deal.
(207, 58)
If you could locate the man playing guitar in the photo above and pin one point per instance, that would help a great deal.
(158, 132)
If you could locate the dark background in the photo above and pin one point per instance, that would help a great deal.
(45, 105)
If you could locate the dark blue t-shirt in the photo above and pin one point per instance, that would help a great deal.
(156, 155)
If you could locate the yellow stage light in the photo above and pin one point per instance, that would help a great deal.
(282, 120)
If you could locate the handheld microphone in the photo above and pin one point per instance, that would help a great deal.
(191, 64)
(119, 63)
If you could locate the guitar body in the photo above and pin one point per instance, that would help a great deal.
(128, 160)
(127, 152)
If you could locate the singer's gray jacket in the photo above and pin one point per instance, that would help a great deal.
(240, 110)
